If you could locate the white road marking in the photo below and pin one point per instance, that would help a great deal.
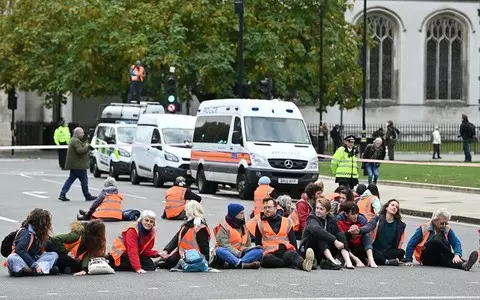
(36, 194)
(152, 288)
(8, 220)
(3, 297)
(243, 285)
(23, 175)
(194, 286)
(338, 283)
(381, 282)
(94, 189)
(473, 282)
(451, 222)
(429, 282)
(103, 291)
(293, 284)
(52, 294)
(368, 298)
(213, 197)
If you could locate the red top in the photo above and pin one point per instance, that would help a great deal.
(345, 226)
(133, 247)
(303, 211)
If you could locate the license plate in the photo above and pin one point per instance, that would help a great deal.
(288, 180)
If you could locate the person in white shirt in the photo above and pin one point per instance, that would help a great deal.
(436, 141)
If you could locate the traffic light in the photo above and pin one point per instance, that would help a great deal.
(12, 99)
(266, 89)
(172, 94)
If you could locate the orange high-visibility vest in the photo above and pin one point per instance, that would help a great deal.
(189, 240)
(175, 201)
(263, 191)
(426, 234)
(237, 240)
(271, 240)
(252, 225)
(111, 207)
(32, 237)
(72, 249)
(139, 75)
(294, 220)
(365, 207)
(118, 247)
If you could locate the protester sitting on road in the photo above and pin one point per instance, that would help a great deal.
(285, 209)
(175, 199)
(388, 234)
(264, 190)
(233, 248)
(359, 245)
(325, 238)
(78, 161)
(28, 255)
(432, 245)
(84, 241)
(319, 193)
(133, 248)
(193, 234)
(361, 188)
(107, 206)
(344, 164)
(345, 195)
(275, 234)
(369, 202)
(304, 206)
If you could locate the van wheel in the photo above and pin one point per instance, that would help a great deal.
(204, 186)
(157, 178)
(94, 169)
(245, 191)
(134, 179)
(112, 172)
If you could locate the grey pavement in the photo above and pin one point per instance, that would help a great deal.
(26, 184)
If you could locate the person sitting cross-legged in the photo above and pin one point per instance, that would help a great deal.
(432, 244)
(107, 206)
(234, 248)
(175, 199)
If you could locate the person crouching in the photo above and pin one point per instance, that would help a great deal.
(107, 206)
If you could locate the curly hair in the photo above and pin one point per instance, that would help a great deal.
(95, 240)
(41, 221)
(77, 227)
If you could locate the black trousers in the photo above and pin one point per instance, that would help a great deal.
(437, 253)
(358, 251)
(319, 246)
(381, 257)
(125, 265)
(283, 259)
(65, 261)
(436, 151)
(135, 90)
(171, 261)
(62, 156)
(391, 148)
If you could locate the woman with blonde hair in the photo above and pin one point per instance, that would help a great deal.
(133, 248)
(76, 248)
(193, 234)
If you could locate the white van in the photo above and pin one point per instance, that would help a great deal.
(237, 141)
(172, 134)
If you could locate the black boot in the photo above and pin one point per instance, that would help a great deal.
(472, 259)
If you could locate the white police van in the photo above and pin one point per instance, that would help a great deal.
(113, 137)
(161, 148)
(237, 141)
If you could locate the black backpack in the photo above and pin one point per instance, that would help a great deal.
(471, 130)
(7, 243)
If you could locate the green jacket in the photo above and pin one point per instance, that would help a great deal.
(68, 238)
(77, 155)
(62, 135)
(343, 166)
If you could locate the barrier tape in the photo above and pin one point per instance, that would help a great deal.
(398, 162)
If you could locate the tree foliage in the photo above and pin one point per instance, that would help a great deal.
(87, 46)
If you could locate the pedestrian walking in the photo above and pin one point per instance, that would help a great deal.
(467, 133)
(373, 151)
(436, 141)
(391, 139)
(137, 74)
(62, 136)
(77, 162)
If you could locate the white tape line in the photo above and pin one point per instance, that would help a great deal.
(95, 146)
(8, 220)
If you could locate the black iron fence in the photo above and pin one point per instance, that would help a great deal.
(412, 137)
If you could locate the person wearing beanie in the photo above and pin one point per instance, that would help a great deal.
(110, 210)
(264, 190)
(233, 248)
(175, 199)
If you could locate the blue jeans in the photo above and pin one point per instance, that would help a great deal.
(466, 151)
(372, 170)
(223, 255)
(82, 176)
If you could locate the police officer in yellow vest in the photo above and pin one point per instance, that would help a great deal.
(175, 199)
(62, 136)
(344, 163)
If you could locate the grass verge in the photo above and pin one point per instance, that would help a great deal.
(445, 175)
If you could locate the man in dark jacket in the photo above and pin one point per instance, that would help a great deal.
(467, 133)
(77, 162)
(391, 139)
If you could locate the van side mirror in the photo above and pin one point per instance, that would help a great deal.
(237, 138)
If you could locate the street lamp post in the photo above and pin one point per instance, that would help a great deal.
(363, 141)
(321, 138)
(239, 9)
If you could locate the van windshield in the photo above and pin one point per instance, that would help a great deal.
(276, 130)
(177, 135)
(126, 134)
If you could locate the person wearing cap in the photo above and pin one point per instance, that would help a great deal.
(436, 141)
(264, 190)
(344, 164)
(175, 199)
(234, 248)
(62, 136)
(107, 206)
(137, 74)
